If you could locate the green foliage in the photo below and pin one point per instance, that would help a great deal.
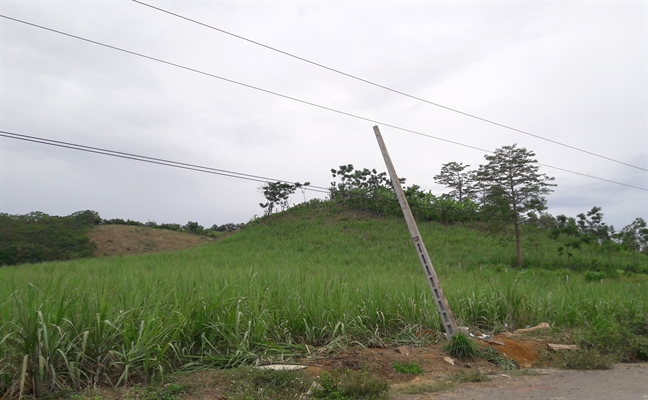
(189, 227)
(318, 274)
(635, 237)
(463, 183)
(594, 275)
(513, 187)
(38, 237)
(365, 189)
(640, 347)
(278, 195)
(347, 384)
(407, 368)
(369, 190)
(587, 359)
(462, 347)
(169, 391)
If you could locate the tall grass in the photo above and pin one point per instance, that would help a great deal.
(321, 278)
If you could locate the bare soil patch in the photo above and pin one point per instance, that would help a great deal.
(379, 362)
(524, 351)
(116, 240)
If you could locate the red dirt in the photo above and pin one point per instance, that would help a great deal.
(525, 352)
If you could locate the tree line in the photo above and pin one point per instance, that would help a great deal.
(39, 237)
(507, 191)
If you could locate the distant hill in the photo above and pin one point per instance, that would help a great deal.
(117, 240)
(38, 237)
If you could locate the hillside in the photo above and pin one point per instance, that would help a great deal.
(316, 279)
(117, 240)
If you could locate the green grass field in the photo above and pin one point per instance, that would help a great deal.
(314, 275)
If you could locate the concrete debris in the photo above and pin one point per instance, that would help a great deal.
(542, 325)
(559, 347)
(449, 360)
(489, 339)
(283, 367)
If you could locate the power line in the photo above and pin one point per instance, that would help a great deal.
(200, 168)
(337, 71)
(294, 98)
(153, 160)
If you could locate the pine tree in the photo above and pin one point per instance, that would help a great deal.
(514, 187)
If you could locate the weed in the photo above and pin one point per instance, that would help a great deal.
(587, 359)
(169, 391)
(640, 347)
(462, 347)
(252, 383)
(498, 359)
(407, 368)
(350, 385)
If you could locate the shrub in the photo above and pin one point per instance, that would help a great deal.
(462, 347)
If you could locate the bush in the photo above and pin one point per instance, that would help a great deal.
(462, 347)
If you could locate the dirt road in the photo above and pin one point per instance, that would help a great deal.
(625, 381)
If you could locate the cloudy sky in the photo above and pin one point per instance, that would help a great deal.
(572, 72)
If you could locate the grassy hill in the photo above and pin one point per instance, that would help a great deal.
(315, 275)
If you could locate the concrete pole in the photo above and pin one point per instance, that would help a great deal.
(440, 300)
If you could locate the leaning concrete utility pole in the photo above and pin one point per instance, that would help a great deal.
(439, 298)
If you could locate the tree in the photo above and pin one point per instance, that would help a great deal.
(364, 189)
(453, 176)
(592, 228)
(635, 237)
(514, 187)
(278, 194)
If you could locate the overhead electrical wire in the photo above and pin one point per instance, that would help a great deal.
(337, 71)
(199, 168)
(153, 160)
(294, 98)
